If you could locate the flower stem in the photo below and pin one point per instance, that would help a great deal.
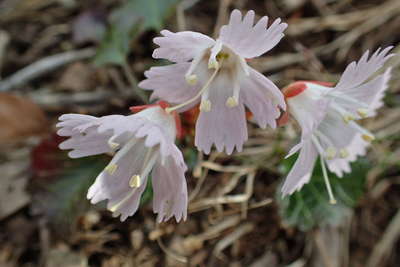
(133, 82)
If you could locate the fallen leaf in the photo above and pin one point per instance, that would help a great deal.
(20, 118)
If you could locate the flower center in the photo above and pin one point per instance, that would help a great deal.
(219, 58)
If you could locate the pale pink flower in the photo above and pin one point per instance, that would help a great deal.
(144, 143)
(215, 73)
(327, 117)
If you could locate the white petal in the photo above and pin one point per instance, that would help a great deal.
(170, 189)
(249, 40)
(122, 199)
(369, 94)
(168, 83)
(181, 46)
(223, 126)
(308, 111)
(357, 73)
(357, 147)
(262, 97)
(301, 171)
(85, 139)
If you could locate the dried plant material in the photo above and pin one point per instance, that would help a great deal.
(78, 77)
(386, 244)
(43, 66)
(65, 258)
(19, 119)
(4, 39)
(231, 238)
(12, 190)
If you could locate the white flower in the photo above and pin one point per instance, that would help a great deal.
(144, 142)
(327, 117)
(219, 78)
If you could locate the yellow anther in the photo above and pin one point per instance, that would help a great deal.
(347, 118)
(368, 138)
(222, 56)
(114, 208)
(332, 201)
(191, 79)
(111, 168)
(343, 153)
(134, 182)
(213, 64)
(231, 102)
(113, 145)
(330, 153)
(205, 105)
(363, 112)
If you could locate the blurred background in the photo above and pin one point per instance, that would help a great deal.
(70, 56)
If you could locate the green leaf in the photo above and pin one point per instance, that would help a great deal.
(66, 198)
(127, 21)
(310, 207)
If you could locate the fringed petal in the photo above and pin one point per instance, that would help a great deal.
(181, 46)
(249, 40)
(300, 173)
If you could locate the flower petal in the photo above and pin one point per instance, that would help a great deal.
(358, 72)
(339, 133)
(369, 93)
(250, 41)
(85, 139)
(223, 126)
(262, 97)
(300, 173)
(170, 189)
(114, 185)
(181, 46)
(357, 147)
(169, 84)
(308, 112)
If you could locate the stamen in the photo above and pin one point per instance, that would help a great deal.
(212, 61)
(330, 153)
(368, 138)
(348, 117)
(205, 105)
(189, 76)
(231, 102)
(213, 64)
(332, 199)
(191, 79)
(344, 153)
(125, 149)
(119, 204)
(324, 139)
(202, 90)
(134, 182)
(363, 112)
(111, 168)
(244, 66)
(366, 135)
(113, 145)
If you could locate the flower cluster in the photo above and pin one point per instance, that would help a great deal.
(214, 75)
